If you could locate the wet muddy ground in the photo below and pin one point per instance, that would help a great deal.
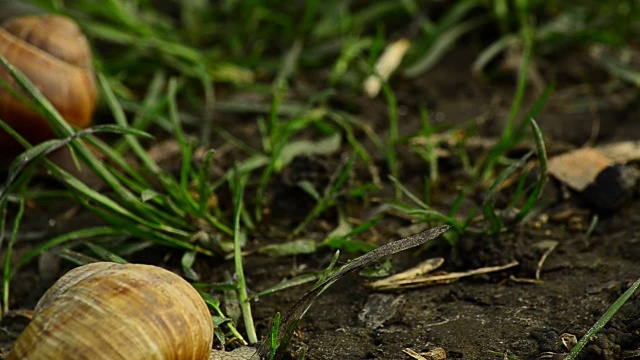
(473, 318)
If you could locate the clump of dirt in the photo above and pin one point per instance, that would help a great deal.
(479, 251)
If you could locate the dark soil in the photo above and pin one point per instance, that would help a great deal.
(472, 318)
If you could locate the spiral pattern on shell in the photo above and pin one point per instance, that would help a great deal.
(112, 311)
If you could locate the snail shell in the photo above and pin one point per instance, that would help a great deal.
(54, 54)
(112, 311)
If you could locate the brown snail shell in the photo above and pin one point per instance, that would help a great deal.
(54, 54)
(113, 311)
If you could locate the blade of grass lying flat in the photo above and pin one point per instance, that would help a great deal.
(114, 206)
(424, 212)
(144, 232)
(125, 249)
(82, 234)
(105, 254)
(299, 308)
(289, 248)
(429, 214)
(39, 151)
(289, 283)
(29, 157)
(76, 257)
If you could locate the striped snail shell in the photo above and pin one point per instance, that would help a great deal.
(109, 311)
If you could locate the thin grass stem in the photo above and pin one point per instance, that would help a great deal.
(243, 297)
(7, 259)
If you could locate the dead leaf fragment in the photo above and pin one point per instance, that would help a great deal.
(378, 309)
(413, 354)
(433, 354)
(385, 66)
(579, 168)
(621, 152)
(416, 276)
(408, 275)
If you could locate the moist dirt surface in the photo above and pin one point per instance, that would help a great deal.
(487, 316)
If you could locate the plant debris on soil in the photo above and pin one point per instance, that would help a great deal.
(527, 293)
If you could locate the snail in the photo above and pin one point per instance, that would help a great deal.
(54, 54)
(108, 311)
(113, 311)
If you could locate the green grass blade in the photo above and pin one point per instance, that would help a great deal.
(82, 234)
(237, 256)
(488, 205)
(442, 43)
(542, 180)
(274, 342)
(289, 283)
(613, 309)
(63, 129)
(7, 258)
